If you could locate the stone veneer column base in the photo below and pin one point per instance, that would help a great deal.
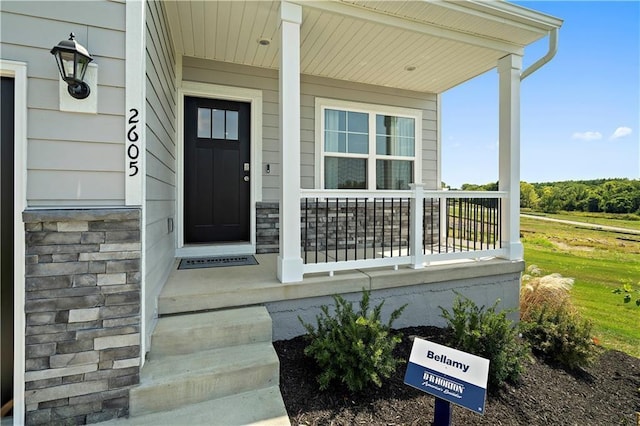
(82, 307)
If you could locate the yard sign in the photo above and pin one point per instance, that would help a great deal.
(454, 376)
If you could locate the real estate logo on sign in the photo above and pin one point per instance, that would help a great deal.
(449, 374)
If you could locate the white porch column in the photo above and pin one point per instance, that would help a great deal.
(417, 226)
(509, 69)
(289, 259)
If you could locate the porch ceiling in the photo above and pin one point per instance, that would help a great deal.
(371, 42)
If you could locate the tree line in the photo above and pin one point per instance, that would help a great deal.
(598, 195)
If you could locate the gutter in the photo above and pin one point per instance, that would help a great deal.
(553, 48)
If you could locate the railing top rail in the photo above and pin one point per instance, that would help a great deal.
(466, 194)
(333, 193)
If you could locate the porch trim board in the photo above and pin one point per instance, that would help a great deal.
(230, 93)
(18, 71)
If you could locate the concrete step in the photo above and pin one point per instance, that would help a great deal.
(169, 382)
(263, 407)
(186, 334)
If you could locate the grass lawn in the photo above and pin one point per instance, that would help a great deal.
(599, 261)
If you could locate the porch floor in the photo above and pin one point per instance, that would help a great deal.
(192, 290)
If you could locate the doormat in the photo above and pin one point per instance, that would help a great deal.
(217, 262)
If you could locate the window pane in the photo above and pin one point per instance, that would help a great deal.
(395, 135)
(335, 141)
(394, 174)
(345, 173)
(218, 124)
(358, 143)
(388, 145)
(204, 123)
(232, 125)
(335, 120)
(358, 122)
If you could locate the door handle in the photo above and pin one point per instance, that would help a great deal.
(246, 178)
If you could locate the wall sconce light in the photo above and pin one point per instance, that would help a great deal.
(73, 59)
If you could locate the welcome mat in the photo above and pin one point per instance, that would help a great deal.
(217, 262)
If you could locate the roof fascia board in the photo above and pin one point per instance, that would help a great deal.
(358, 12)
(533, 20)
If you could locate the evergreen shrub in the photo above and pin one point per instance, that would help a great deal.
(489, 334)
(352, 347)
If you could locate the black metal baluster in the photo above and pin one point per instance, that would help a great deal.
(326, 230)
(375, 216)
(393, 214)
(306, 227)
(366, 229)
(383, 222)
(346, 228)
(409, 225)
(499, 225)
(317, 226)
(400, 229)
(337, 228)
(356, 236)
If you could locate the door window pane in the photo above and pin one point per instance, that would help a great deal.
(345, 173)
(218, 124)
(204, 123)
(232, 125)
(394, 174)
(395, 135)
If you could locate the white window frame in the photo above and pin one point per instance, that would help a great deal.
(321, 104)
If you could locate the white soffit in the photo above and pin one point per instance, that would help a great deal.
(363, 41)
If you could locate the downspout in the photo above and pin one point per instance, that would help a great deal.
(553, 48)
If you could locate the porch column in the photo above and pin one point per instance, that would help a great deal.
(289, 259)
(509, 69)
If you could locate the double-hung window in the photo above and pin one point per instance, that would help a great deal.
(367, 147)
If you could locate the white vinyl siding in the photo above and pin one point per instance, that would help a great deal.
(160, 155)
(74, 159)
(266, 80)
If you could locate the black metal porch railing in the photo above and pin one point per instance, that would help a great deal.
(368, 229)
(342, 229)
(472, 224)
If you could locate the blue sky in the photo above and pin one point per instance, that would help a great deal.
(580, 113)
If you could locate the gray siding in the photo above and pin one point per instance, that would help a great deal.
(227, 74)
(74, 159)
(160, 158)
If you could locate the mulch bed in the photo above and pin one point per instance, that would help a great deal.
(607, 393)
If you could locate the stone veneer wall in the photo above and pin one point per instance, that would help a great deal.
(267, 227)
(349, 228)
(82, 307)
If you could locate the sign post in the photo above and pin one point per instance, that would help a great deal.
(452, 376)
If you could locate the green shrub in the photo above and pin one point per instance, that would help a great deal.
(558, 334)
(489, 334)
(352, 347)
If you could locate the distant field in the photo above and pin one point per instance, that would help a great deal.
(630, 221)
(600, 261)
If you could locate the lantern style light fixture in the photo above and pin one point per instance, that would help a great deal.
(73, 60)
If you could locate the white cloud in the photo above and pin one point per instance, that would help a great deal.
(587, 136)
(620, 133)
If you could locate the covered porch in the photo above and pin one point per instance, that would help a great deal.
(411, 47)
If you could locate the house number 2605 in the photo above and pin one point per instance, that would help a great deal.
(133, 151)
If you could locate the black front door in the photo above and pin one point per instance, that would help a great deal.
(216, 170)
(6, 235)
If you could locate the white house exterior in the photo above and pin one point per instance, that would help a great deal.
(304, 132)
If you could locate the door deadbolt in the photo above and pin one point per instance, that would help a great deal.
(246, 178)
